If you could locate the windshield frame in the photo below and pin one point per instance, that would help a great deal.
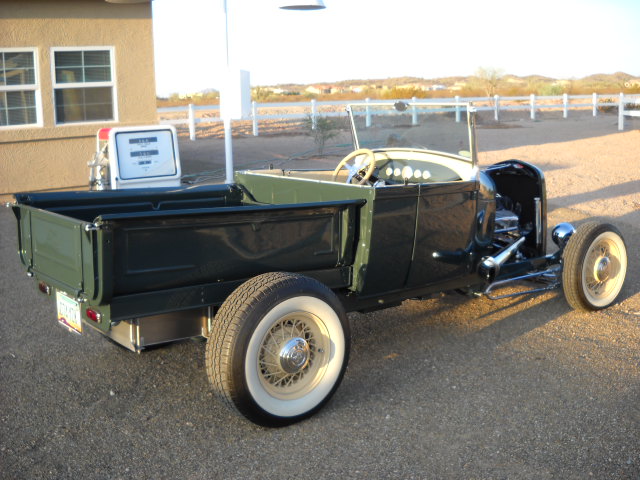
(401, 105)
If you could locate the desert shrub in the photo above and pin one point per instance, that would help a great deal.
(608, 108)
(261, 94)
(402, 93)
(550, 90)
(325, 129)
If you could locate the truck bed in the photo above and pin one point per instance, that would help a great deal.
(161, 250)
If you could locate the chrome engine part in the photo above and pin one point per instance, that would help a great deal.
(489, 268)
(507, 219)
(561, 234)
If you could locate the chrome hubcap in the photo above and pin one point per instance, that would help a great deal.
(603, 269)
(294, 355)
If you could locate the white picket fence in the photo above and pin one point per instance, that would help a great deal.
(497, 104)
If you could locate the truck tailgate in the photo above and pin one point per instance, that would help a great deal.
(56, 248)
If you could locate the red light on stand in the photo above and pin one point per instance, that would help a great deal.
(93, 315)
(103, 134)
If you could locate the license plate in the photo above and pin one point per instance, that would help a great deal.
(69, 312)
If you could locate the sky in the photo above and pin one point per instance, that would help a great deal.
(368, 39)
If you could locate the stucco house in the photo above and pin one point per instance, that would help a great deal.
(67, 69)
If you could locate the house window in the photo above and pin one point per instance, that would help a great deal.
(19, 94)
(83, 85)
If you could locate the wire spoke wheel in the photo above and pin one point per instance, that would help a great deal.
(279, 348)
(293, 355)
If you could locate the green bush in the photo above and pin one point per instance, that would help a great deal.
(550, 90)
(325, 129)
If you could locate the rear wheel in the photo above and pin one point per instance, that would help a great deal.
(279, 348)
(595, 266)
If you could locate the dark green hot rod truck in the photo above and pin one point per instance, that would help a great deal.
(267, 267)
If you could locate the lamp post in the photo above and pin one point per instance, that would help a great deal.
(309, 5)
(226, 115)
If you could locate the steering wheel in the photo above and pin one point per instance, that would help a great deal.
(369, 163)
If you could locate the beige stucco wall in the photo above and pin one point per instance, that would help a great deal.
(51, 157)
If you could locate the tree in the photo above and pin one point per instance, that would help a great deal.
(261, 94)
(489, 78)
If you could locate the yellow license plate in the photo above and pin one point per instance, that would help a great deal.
(69, 312)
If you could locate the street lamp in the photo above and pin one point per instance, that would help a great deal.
(310, 5)
(226, 120)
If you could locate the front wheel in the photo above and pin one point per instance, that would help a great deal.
(594, 266)
(279, 348)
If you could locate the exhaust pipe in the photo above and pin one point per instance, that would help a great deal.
(489, 267)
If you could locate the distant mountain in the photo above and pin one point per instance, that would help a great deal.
(536, 78)
(609, 77)
(617, 78)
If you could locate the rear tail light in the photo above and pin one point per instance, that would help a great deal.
(44, 288)
(94, 315)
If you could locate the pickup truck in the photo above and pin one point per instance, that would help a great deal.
(267, 268)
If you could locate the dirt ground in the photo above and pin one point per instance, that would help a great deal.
(449, 387)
